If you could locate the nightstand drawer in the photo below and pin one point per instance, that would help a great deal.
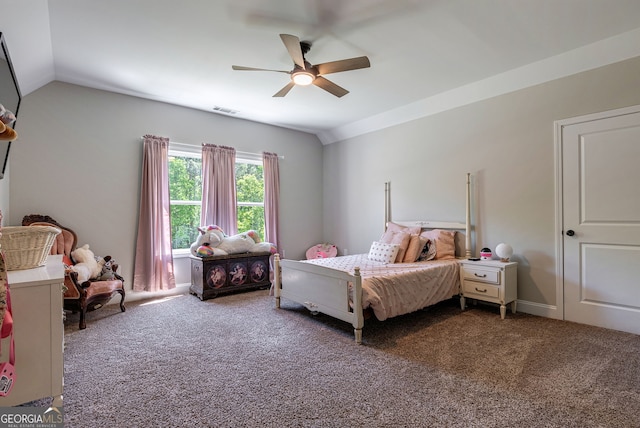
(481, 275)
(485, 290)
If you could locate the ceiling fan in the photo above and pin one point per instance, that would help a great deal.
(304, 73)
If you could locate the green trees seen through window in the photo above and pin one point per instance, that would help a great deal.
(185, 192)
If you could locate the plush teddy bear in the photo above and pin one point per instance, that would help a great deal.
(86, 264)
(6, 118)
(107, 272)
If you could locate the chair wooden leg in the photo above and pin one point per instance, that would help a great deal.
(122, 308)
(83, 322)
(83, 309)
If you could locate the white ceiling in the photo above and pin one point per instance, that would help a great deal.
(426, 56)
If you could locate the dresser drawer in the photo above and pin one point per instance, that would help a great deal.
(490, 276)
(481, 289)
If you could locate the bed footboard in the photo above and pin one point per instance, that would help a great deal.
(321, 289)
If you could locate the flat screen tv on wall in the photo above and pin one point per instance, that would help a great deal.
(10, 96)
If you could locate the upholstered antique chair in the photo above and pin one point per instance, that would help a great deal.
(79, 297)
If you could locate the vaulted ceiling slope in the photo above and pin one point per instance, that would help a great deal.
(426, 55)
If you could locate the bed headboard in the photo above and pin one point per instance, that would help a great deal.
(463, 237)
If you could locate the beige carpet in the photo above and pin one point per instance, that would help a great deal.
(236, 361)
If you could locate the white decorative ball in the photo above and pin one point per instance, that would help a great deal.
(504, 251)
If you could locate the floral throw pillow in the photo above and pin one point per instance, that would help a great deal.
(444, 241)
(428, 252)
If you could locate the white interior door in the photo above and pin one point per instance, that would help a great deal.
(601, 221)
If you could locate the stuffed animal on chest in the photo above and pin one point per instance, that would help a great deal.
(212, 241)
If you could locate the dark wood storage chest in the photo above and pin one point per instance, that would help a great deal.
(211, 276)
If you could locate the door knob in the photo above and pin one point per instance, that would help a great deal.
(570, 232)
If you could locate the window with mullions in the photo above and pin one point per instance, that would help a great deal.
(250, 195)
(185, 192)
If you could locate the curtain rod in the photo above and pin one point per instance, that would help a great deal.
(191, 146)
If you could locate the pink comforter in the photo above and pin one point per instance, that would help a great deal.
(399, 288)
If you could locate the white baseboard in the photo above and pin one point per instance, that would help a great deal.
(533, 308)
(132, 296)
(539, 309)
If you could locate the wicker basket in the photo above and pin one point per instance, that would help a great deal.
(27, 247)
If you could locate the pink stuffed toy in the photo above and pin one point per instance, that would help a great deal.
(322, 251)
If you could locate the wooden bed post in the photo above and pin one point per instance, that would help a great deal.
(276, 278)
(387, 204)
(467, 243)
(358, 321)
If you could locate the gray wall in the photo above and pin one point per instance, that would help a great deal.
(79, 154)
(79, 159)
(506, 142)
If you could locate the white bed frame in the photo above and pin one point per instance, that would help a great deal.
(326, 290)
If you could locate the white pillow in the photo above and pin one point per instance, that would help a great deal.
(381, 252)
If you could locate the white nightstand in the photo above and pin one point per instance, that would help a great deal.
(490, 281)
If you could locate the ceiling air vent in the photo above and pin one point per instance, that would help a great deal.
(224, 110)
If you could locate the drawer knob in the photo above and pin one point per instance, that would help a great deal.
(481, 276)
(480, 291)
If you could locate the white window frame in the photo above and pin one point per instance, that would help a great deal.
(181, 150)
(254, 159)
(184, 151)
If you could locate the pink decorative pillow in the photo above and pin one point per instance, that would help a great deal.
(66, 260)
(394, 227)
(416, 244)
(400, 238)
(444, 241)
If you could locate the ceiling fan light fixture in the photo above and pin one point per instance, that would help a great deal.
(302, 78)
(304, 74)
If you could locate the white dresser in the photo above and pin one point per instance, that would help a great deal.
(36, 301)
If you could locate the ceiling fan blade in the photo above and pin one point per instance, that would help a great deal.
(343, 65)
(243, 68)
(329, 86)
(284, 91)
(292, 43)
